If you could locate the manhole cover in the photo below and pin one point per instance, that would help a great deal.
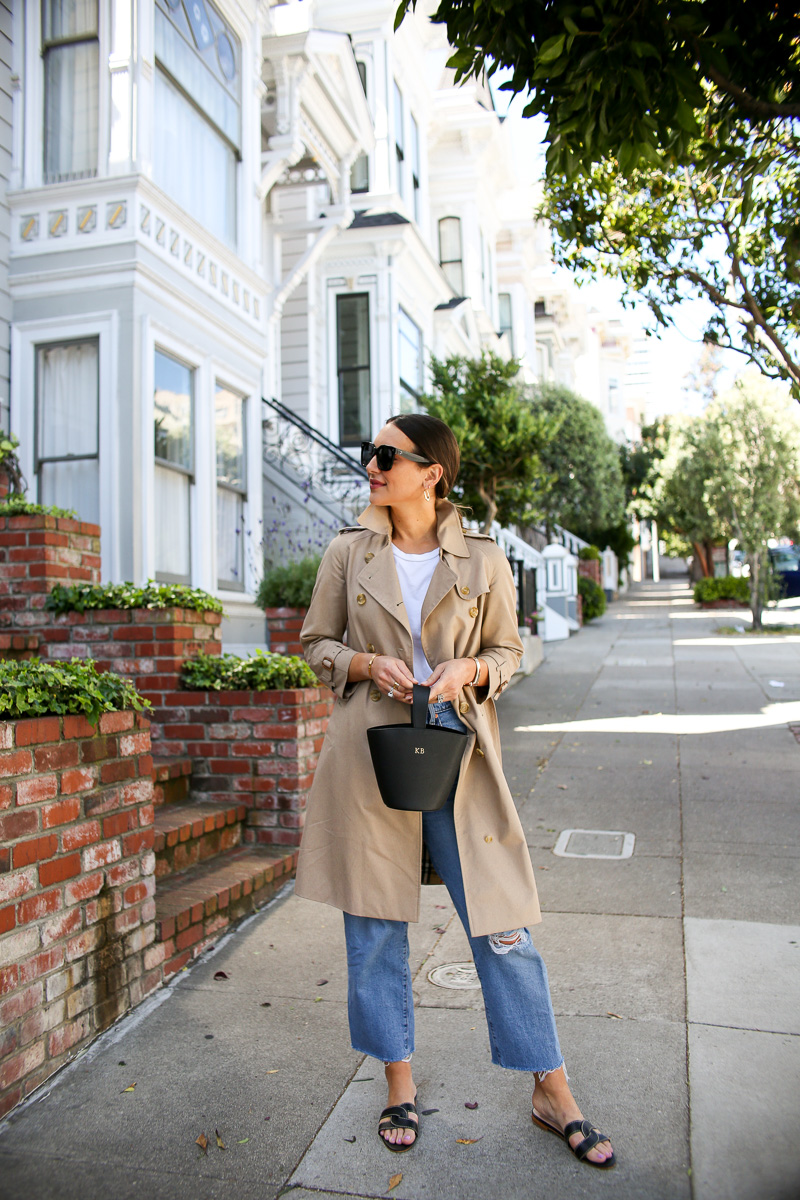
(458, 976)
(594, 843)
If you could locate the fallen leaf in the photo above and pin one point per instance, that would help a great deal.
(266, 1004)
(471, 1104)
(221, 975)
(129, 1088)
(267, 1117)
(220, 1142)
(427, 1112)
(366, 1079)
(321, 982)
(317, 999)
(468, 1141)
(615, 1015)
(274, 1071)
(440, 930)
(563, 787)
(242, 1141)
(202, 1142)
(393, 1182)
(351, 1140)
(647, 762)
(440, 906)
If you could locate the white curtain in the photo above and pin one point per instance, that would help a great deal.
(171, 508)
(71, 110)
(230, 539)
(67, 423)
(192, 163)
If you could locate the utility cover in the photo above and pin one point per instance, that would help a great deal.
(594, 843)
(459, 977)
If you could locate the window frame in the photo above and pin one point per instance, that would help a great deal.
(227, 585)
(399, 147)
(404, 385)
(341, 371)
(503, 327)
(363, 156)
(415, 167)
(190, 473)
(452, 262)
(40, 460)
(47, 46)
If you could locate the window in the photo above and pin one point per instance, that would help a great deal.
(229, 427)
(359, 172)
(399, 141)
(450, 253)
(353, 367)
(71, 54)
(197, 99)
(67, 427)
(410, 339)
(504, 313)
(415, 166)
(174, 467)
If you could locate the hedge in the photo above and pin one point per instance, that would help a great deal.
(32, 688)
(593, 596)
(727, 587)
(81, 596)
(261, 672)
(289, 586)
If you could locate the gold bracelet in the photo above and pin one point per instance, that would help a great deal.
(369, 664)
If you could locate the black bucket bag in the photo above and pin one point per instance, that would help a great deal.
(416, 765)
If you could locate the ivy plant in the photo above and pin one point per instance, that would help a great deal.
(261, 672)
(289, 585)
(32, 688)
(17, 505)
(81, 596)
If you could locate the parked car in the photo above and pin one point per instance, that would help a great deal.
(785, 562)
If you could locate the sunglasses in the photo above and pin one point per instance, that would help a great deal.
(385, 456)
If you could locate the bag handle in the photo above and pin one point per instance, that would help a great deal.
(419, 706)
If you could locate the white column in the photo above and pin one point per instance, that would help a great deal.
(656, 564)
(120, 70)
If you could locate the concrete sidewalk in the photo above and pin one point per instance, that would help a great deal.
(674, 973)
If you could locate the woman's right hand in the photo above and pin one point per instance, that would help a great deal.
(392, 675)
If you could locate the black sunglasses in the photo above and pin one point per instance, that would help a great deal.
(385, 456)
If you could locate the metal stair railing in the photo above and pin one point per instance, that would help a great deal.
(312, 461)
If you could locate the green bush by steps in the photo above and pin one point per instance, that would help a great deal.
(260, 672)
(32, 688)
(81, 596)
(289, 586)
(19, 506)
(593, 596)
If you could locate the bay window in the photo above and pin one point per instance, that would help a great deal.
(174, 467)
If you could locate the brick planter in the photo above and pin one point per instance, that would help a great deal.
(257, 748)
(77, 914)
(284, 625)
(590, 568)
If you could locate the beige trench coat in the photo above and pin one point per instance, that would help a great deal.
(356, 854)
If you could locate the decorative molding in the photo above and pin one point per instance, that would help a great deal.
(57, 223)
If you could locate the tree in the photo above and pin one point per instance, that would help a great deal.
(680, 497)
(638, 82)
(587, 494)
(500, 435)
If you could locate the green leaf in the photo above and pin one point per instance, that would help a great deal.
(551, 49)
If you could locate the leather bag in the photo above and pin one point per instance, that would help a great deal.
(416, 765)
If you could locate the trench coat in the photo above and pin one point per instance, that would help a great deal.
(356, 854)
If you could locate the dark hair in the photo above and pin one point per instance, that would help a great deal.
(436, 441)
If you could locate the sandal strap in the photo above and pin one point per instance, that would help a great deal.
(397, 1117)
(591, 1137)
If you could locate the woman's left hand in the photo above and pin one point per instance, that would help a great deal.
(450, 678)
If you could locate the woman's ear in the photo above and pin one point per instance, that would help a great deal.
(433, 475)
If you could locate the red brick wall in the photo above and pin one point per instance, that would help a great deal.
(590, 568)
(258, 748)
(77, 914)
(284, 626)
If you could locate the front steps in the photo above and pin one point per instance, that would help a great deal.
(206, 878)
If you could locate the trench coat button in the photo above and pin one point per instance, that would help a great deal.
(463, 707)
(369, 557)
(361, 598)
(473, 612)
(488, 838)
(370, 648)
(465, 591)
(374, 694)
(480, 752)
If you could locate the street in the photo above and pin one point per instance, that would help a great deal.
(674, 962)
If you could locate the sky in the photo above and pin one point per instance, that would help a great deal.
(675, 352)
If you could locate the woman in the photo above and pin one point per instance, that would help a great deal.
(419, 599)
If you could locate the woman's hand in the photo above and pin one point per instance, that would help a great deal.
(450, 678)
(392, 675)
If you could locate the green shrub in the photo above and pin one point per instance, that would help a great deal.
(81, 596)
(593, 596)
(727, 587)
(34, 688)
(18, 506)
(289, 586)
(589, 553)
(262, 672)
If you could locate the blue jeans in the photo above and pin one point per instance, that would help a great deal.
(513, 977)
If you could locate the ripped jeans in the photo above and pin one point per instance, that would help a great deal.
(513, 977)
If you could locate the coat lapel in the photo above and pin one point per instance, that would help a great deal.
(379, 579)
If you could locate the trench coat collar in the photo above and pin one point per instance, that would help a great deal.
(449, 532)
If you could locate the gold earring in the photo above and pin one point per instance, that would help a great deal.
(426, 493)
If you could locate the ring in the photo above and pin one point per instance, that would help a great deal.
(390, 693)
(440, 699)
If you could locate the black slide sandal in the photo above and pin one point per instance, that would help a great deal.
(397, 1117)
(591, 1138)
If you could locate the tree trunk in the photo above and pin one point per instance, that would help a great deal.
(703, 558)
(755, 588)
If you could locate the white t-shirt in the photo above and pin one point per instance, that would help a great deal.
(415, 572)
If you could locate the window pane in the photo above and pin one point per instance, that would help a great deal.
(398, 117)
(66, 383)
(173, 411)
(455, 276)
(69, 18)
(415, 148)
(229, 425)
(230, 538)
(354, 415)
(189, 152)
(71, 109)
(352, 320)
(171, 508)
(410, 340)
(74, 485)
(449, 239)
(362, 75)
(190, 70)
(359, 174)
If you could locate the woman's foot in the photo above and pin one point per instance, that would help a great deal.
(554, 1103)
(401, 1091)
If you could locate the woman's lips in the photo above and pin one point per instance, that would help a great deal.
(375, 483)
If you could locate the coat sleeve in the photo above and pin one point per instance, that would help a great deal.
(501, 647)
(326, 622)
